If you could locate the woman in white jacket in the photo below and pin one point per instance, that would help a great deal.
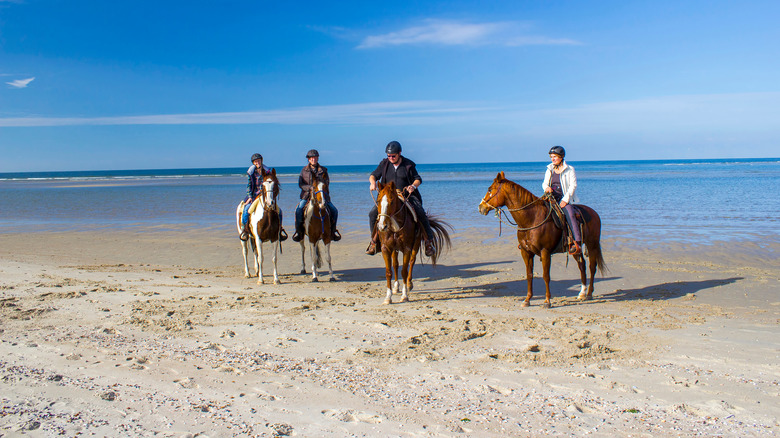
(561, 181)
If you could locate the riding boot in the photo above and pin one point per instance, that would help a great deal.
(335, 235)
(282, 235)
(575, 248)
(244, 235)
(372, 247)
(298, 236)
(430, 249)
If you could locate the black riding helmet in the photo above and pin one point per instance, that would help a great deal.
(393, 148)
(255, 157)
(312, 153)
(558, 150)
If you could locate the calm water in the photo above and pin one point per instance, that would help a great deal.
(651, 201)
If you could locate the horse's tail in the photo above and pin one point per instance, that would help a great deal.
(441, 237)
(593, 221)
(596, 254)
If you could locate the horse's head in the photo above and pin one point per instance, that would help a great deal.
(387, 204)
(318, 192)
(495, 196)
(270, 188)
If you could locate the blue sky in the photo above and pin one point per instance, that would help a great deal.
(124, 85)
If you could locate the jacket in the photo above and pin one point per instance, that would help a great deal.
(255, 179)
(568, 182)
(403, 176)
(307, 177)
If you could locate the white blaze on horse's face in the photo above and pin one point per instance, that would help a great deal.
(269, 192)
(383, 217)
(319, 194)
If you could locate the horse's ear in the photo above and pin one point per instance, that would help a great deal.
(391, 184)
(273, 171)
(500, 175)
(379, 186)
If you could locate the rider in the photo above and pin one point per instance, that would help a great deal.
(561, 181)
(308, 173)
(256, 172)
(404, 172)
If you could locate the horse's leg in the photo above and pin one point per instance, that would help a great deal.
(388, 274)
(330, 267)
(313, 253)
(259, 258)
(406, 276)
(528, 258)
(303, 255)
(546, 257)
(395, 272)
(580, 259)
(276, 245)
(246, 246)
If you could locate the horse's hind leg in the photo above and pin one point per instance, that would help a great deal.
(580, 259)
(396, 284)
(246, 246)
(406, 277)
(303, 256)
(528, 258)
(313, 254)
(546, 256)
(259, 259)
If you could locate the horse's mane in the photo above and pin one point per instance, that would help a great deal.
(524, 195)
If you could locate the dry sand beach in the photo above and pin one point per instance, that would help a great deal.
(155, 332)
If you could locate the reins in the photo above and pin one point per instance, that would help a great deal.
(500, 211)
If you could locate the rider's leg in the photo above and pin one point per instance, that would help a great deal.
(372, 246)
(299, 232)
(334, 218)
(575, 227)
(244, 235)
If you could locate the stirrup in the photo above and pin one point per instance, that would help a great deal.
(244, 234)
(430, 250)
(335, 236)
(297, 237)
(575, 249)
(282, 235)
(371, 250)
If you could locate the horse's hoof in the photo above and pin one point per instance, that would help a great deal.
(405, 299)
(314, 280)
(260, 281)
(546, 305)
(525, 304)
(247, 276)
(388, 301)
(583, 297)
(303, 272)
(277, 282)
(332, 279)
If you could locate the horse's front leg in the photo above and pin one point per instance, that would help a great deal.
(546, 257)
(330, 267)
(388, 274)
(246, 246)
(396, 284)
(303, 256)
(313, 254)
(406, 274)
(528, 258)
(259, 259)
(276, 244)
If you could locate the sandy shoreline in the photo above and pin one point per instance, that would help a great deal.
(159, 333)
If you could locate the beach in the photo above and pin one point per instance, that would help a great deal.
(154, 331)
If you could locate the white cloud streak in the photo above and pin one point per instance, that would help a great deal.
(20, 83)
(453, 33)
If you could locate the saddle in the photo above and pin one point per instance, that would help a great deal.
(559, 218)
(400, 194)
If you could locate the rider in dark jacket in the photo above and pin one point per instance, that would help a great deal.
(403, 172)
(308, 174)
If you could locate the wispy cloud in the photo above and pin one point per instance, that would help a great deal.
(20, 83)
(378, 113)
(455, 33)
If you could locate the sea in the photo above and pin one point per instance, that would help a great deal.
(697, 202)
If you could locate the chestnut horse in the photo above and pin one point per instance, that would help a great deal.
(399, 231)
(538, 235)
(264, 226)
(317, 226)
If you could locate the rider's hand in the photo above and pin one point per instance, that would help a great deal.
(563, 204)
(548, 190)
(372, 186)
(410, 188)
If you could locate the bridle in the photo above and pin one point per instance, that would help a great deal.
(392, 217)
(500, 211)
(263, 193)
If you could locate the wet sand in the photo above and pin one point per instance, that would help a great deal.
(157, 332)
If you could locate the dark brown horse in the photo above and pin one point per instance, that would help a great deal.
(538, 235)
(317, 226)
(264, 225)
(400, 232)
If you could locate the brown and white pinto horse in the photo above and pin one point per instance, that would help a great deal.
(264, 226)
(400, 232)
(538, 235)
(317, 228)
